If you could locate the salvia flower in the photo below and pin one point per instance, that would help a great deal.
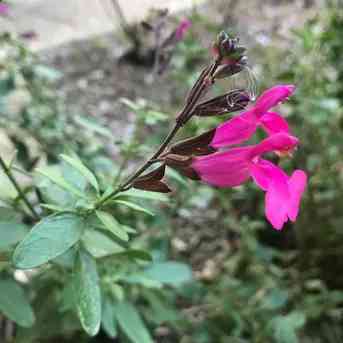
(4, 9)
(244, 125)
(236, 166)
(182, 28)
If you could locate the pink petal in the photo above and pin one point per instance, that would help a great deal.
(182, 28)
(261, 172)
(4, 9)
(297, 184)
(273, 123)
(235, 130)
(272, 97)
(224, 169)
(277, 198)
(278, 142)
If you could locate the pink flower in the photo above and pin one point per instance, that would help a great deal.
(4, 9)
(235, 166)
(243, 126)
(182, 28)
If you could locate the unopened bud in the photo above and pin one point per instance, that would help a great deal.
(227, 49)
(235, 100)
(182, 164)
(227, 70)
(199, 145)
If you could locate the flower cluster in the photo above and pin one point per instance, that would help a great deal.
(223, 166)
(210, 156)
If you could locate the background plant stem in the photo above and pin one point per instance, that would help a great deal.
(16, 185)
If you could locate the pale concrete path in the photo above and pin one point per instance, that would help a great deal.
(61, 21)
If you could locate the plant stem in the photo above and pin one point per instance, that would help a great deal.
(181, 119)
(16, 185)
(131, 34)
(144, 167)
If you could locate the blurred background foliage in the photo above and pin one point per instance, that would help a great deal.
(235, 280)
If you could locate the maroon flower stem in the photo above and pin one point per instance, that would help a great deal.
(181, 119)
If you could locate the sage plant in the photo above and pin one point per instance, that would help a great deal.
(71, 215)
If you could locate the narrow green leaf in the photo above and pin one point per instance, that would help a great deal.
(60, 181)
(137, 193)
(130, 104)
(134, 207)
(129, 229)
(54, 208)
(77, 164)
(51, 237)
(131, 323)
(11, 233)
(87, 293)
(91, 125)
(112, 225)
(172, 273)
(99, 244)
(177, 177)
(14, 304)
(108, 319)
(141, 279)
(107, 192)
(139, 255)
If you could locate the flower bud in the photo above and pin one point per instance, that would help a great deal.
(235, 100)
(152, 181)
(227, 49)
(227, 70)
(182, 164)
(198, 145)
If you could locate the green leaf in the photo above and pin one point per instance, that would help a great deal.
(49, 238)
(112, 225)
(285, 327)
(137, 193)
(131, 323)
(11, 233)
(93, 126)
(129, 229)
(99, 244)
(87, 293)
(177, 177)
(77, 164)
(162, 312)
(108, 319)
(172, 273)
(14, 304)
(130, 104)
(60, 181)
(7, 214)
(55, 195)
(141, 279)
(67, 259)
(275, 299)
(134, 206)
(54, 208)
(139, 255)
